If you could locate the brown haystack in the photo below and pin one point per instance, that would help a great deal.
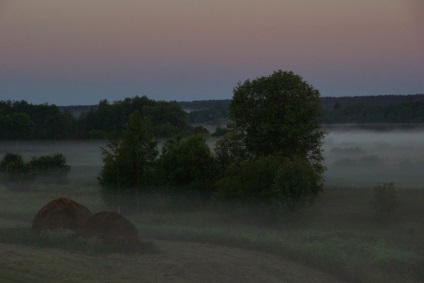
(61, 213)
(112, 228)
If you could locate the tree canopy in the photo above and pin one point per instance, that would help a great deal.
(21, 120)
(278, 114)
(274, 132)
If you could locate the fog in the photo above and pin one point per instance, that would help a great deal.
(84, 157)
(194, 243)
(354, 157)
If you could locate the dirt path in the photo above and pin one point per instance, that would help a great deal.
(175, 262)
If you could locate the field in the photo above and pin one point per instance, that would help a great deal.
(335, 240)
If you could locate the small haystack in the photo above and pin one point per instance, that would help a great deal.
(61, 213)
(112, 228)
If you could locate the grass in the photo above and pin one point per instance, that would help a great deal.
(67, 240)
(356, 257)
(337, 235)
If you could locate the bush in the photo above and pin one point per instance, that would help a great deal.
(385, 201)
(20, 175)
(17, 175)
(188, 163)
(252, 180)
(50, 168)
(280, 185)
(296, 184)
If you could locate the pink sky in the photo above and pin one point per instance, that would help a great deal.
(78, 52)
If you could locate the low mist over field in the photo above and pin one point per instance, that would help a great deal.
(339, 224)
(355, 157)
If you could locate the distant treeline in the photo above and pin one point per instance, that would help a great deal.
(22, 120)
(374, 109)
(337, 110)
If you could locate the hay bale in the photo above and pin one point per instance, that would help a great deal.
(112, 228)
(61, 213)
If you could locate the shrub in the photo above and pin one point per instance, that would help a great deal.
(17, 175)
(252, 180)
(385, 201)
(20, 175)
(188, 163)
(296, 184)
(279, 185)
(50, 168)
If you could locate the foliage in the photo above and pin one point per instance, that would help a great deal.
(166, 119)
(385, 201)
(21, 120)
(188, 163)
(15, 169)
(127, 163)
(24, 121)
(272, 152)
(230, 149)
(50, 168)
(278, 114)
(375, 109)
(18, 174)
(296, 184)
(214, 114)
(251, 181)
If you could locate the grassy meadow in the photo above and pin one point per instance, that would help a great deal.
(338, 236)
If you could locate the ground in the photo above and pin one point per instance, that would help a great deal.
(174, 262)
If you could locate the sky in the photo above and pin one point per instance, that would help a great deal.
(82, 51)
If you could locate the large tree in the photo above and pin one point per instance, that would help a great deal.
(278, 114)
(274, 132)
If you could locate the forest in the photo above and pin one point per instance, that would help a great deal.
(20, 120)
(336, 110)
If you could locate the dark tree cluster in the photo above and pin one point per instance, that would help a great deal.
(215, 115)
(401, 112)
(20, 175)
(337, 110)
(270, 154)
(165, 119)
(21, 120)
(133, 166)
